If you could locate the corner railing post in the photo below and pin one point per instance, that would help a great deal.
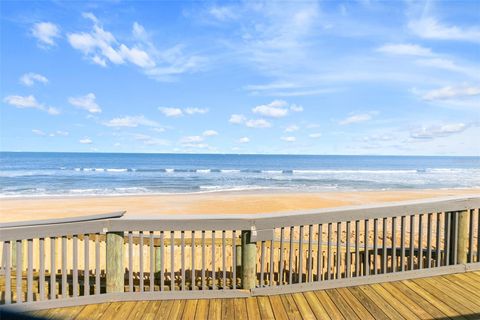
(114, 267)
(249, 259)
(462, 242)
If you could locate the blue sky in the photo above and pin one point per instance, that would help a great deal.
(327, 77)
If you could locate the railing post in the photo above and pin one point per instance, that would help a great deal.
(249, 259)
(462, 242)
(114, 267)
(238, 262)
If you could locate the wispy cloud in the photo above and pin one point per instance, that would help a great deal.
(45, 33)
(275, 109)
(30, 78)
(85, 140)
(292, 128)
(431, 28)
(25, 102)
(356, 118)
(405, 49)
(42, 133)
(243, 140)
(131, 122)
(437, 131)
(210, 133)
(449, 92)
(86, 102)
(178, 112)
(288, 139)
(315, 135)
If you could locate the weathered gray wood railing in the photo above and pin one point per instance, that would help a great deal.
(113, 257)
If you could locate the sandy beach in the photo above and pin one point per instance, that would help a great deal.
(216, 202)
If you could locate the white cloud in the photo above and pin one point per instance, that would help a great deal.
(131, 121)
(39, 132)
(136, 56)
(258, 123)
(61, 133)
(222, 13)
(315, 135)
(45, 32)
(451, 93)
(23, 102)
(195, 110)
(296, 108)
(191, 139)
(405, 49)
(356, 118)
(30, 78)
(237, 118)
(86, 102)
(288, 139)
(171, 112)
(432, 132)
(85, 141)
(151, 141)
(209, 133)
(292, 128)
(244, 140)
(430, 28)
(274, 109)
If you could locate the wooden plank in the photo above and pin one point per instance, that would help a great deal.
(438, 303)
(409, 301)
(190, 309)
(93, 311)
(252, 308)
(215, 309)
(376, 311)
(394, 302)
(459, 279)
(380, 302)
(240, 308)
(303, 306)
(177, 308)
(342, 305)
(265, 308)
(228, 309)
(423, 303)
(151, 310)
(471, 300)
(138, 310)
(315, 305)
(164, 310)
(290, 307)
(329, 305)
(202, 309)
(278, 309)
(118, 310)
(359, 309)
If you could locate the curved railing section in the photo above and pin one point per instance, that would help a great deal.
(92, 259)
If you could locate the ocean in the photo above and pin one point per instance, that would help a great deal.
(28, 174)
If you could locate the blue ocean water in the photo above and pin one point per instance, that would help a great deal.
(49, 174)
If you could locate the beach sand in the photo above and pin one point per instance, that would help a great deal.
(211, 203)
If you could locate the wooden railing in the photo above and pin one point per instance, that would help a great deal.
(93, 259)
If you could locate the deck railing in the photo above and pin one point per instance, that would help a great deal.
(94, 259)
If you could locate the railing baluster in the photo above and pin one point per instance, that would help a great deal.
(366, 263)
(438, 260)
(214, 286)
(412, 243)
(394, 244)
(320, 253)
(224, 261)
(339, 249)
(130, 261)
(470, 236)
(280, 273)
(420, 241)
(140, 252)
(447, 237)
(402, 241)
(272, 251)
(234, 258)
(41, 275)
(172, 260)
(348, 253)
(375, 246)
(64, 268)
(8, 272)
(357, 248)
(193, 275)
(329, 251)
(162, 261)
(429, 240)
(19, 271)
(75, 266)
(290, 260)
(384, 246)
(53, 271)
(203, 261)
(86, 269)
(262, 264)
(300, 257)
(455, 238)
(97, 264)
(309, 261)
(30, 270)
(152, 263)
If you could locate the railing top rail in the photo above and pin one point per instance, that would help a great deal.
(43, 222)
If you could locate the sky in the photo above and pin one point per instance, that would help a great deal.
(327, 77)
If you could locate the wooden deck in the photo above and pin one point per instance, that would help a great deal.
(454, 296)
